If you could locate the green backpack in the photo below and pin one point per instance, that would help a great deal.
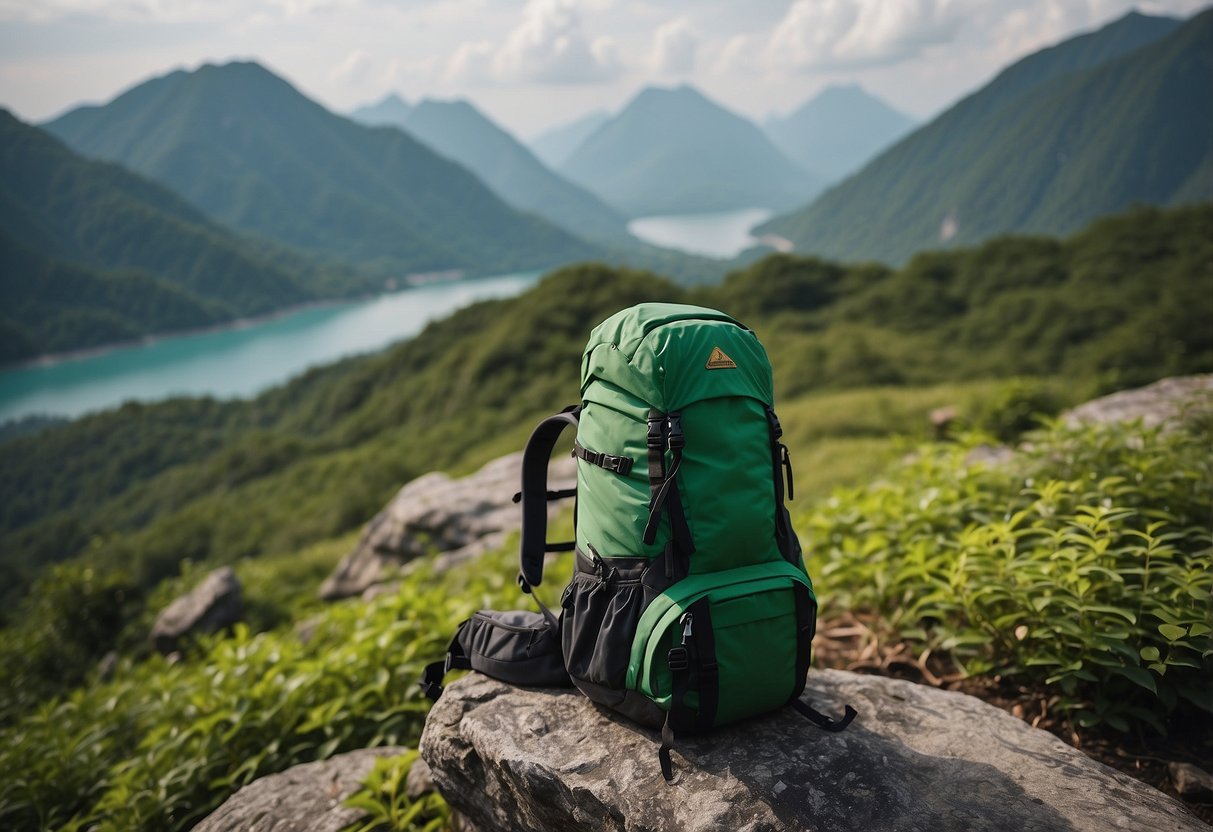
(690, 606)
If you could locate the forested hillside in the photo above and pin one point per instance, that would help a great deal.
(672, 151)
(250, 150)
(92, 254)
(145, 486)
(458, 131)
(139, 500)
(1092, 126)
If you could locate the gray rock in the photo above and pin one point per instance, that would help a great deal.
(917, 758)
(436, 514)
(212, 605)
(1166, 402)
(420, 781)
(1191, 781)
(306, 798)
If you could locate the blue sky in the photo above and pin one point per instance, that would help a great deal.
(534, 63)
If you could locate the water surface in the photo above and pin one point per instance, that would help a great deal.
(722, 234)
(241, 360)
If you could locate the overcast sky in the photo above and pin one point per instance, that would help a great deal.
(534, 63)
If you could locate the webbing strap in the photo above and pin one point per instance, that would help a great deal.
(621, 465)
(783, 524)
(822, 721)
(680, 675)
(707, 672)
(806, 625)
(534, 498)
(435, 672)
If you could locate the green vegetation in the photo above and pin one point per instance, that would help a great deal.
(387, 805)
(91, 254)
(672, 151)
(1082, 566)
(164, 743)
(246, 147)
(1085, 565)
(457, 130)
(1087, 128)
(145, 487)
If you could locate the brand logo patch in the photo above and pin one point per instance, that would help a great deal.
(719, 361)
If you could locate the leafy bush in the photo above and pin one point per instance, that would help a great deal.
(387, 805)
(1085, 564)
(163, 744)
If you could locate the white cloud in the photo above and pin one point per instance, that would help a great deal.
(674, 48)
(548, 47)
(354, 70)
(837, 34)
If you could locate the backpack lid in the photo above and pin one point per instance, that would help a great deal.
(670, 355)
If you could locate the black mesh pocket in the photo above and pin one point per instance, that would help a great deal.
(601, 610)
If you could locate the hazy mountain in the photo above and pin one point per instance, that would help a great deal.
(248, 148)
(556, 145)
(672, 151)
(389, 110)
(92, 254)
(459, 131)
(1088, 127)
(837, 131)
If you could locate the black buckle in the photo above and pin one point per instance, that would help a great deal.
(678, 658)
(619, 464)
(677, 440)
(653, 439)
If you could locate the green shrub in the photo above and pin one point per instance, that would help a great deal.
(387, 805)
(1084, 565)
(163, 744)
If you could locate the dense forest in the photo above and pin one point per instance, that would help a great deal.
(1082, 129)
(146, 486)
(93, 254)
(106, 518)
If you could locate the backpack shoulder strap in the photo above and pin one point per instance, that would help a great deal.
(535, 496)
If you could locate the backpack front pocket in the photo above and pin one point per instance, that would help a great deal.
(758, 643)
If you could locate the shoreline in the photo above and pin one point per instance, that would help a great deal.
(393, 286)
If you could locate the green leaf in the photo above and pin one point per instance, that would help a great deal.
(1172, 632)
(1150, 654)
(1138, 676)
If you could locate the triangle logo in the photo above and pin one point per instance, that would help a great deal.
(719, 361)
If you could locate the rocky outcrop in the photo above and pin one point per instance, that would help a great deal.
(1165, 402)
(458, 519)
(306, 798)
(212, 605)
(916, 758)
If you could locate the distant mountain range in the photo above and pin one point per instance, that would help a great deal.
(460, 132)
(555, 145)
(91, 253)
(250, 150)
(673, 151)
(1088, 127)
(389, 111)
(837, 131)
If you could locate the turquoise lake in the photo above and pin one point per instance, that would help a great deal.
(247, 358)
(241, 360)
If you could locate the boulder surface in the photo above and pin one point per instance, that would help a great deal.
(1167, 402)
(306, 798)
(459, 518)
(916, 758)
(212, 605)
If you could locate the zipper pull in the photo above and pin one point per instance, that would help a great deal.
(686, 627)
